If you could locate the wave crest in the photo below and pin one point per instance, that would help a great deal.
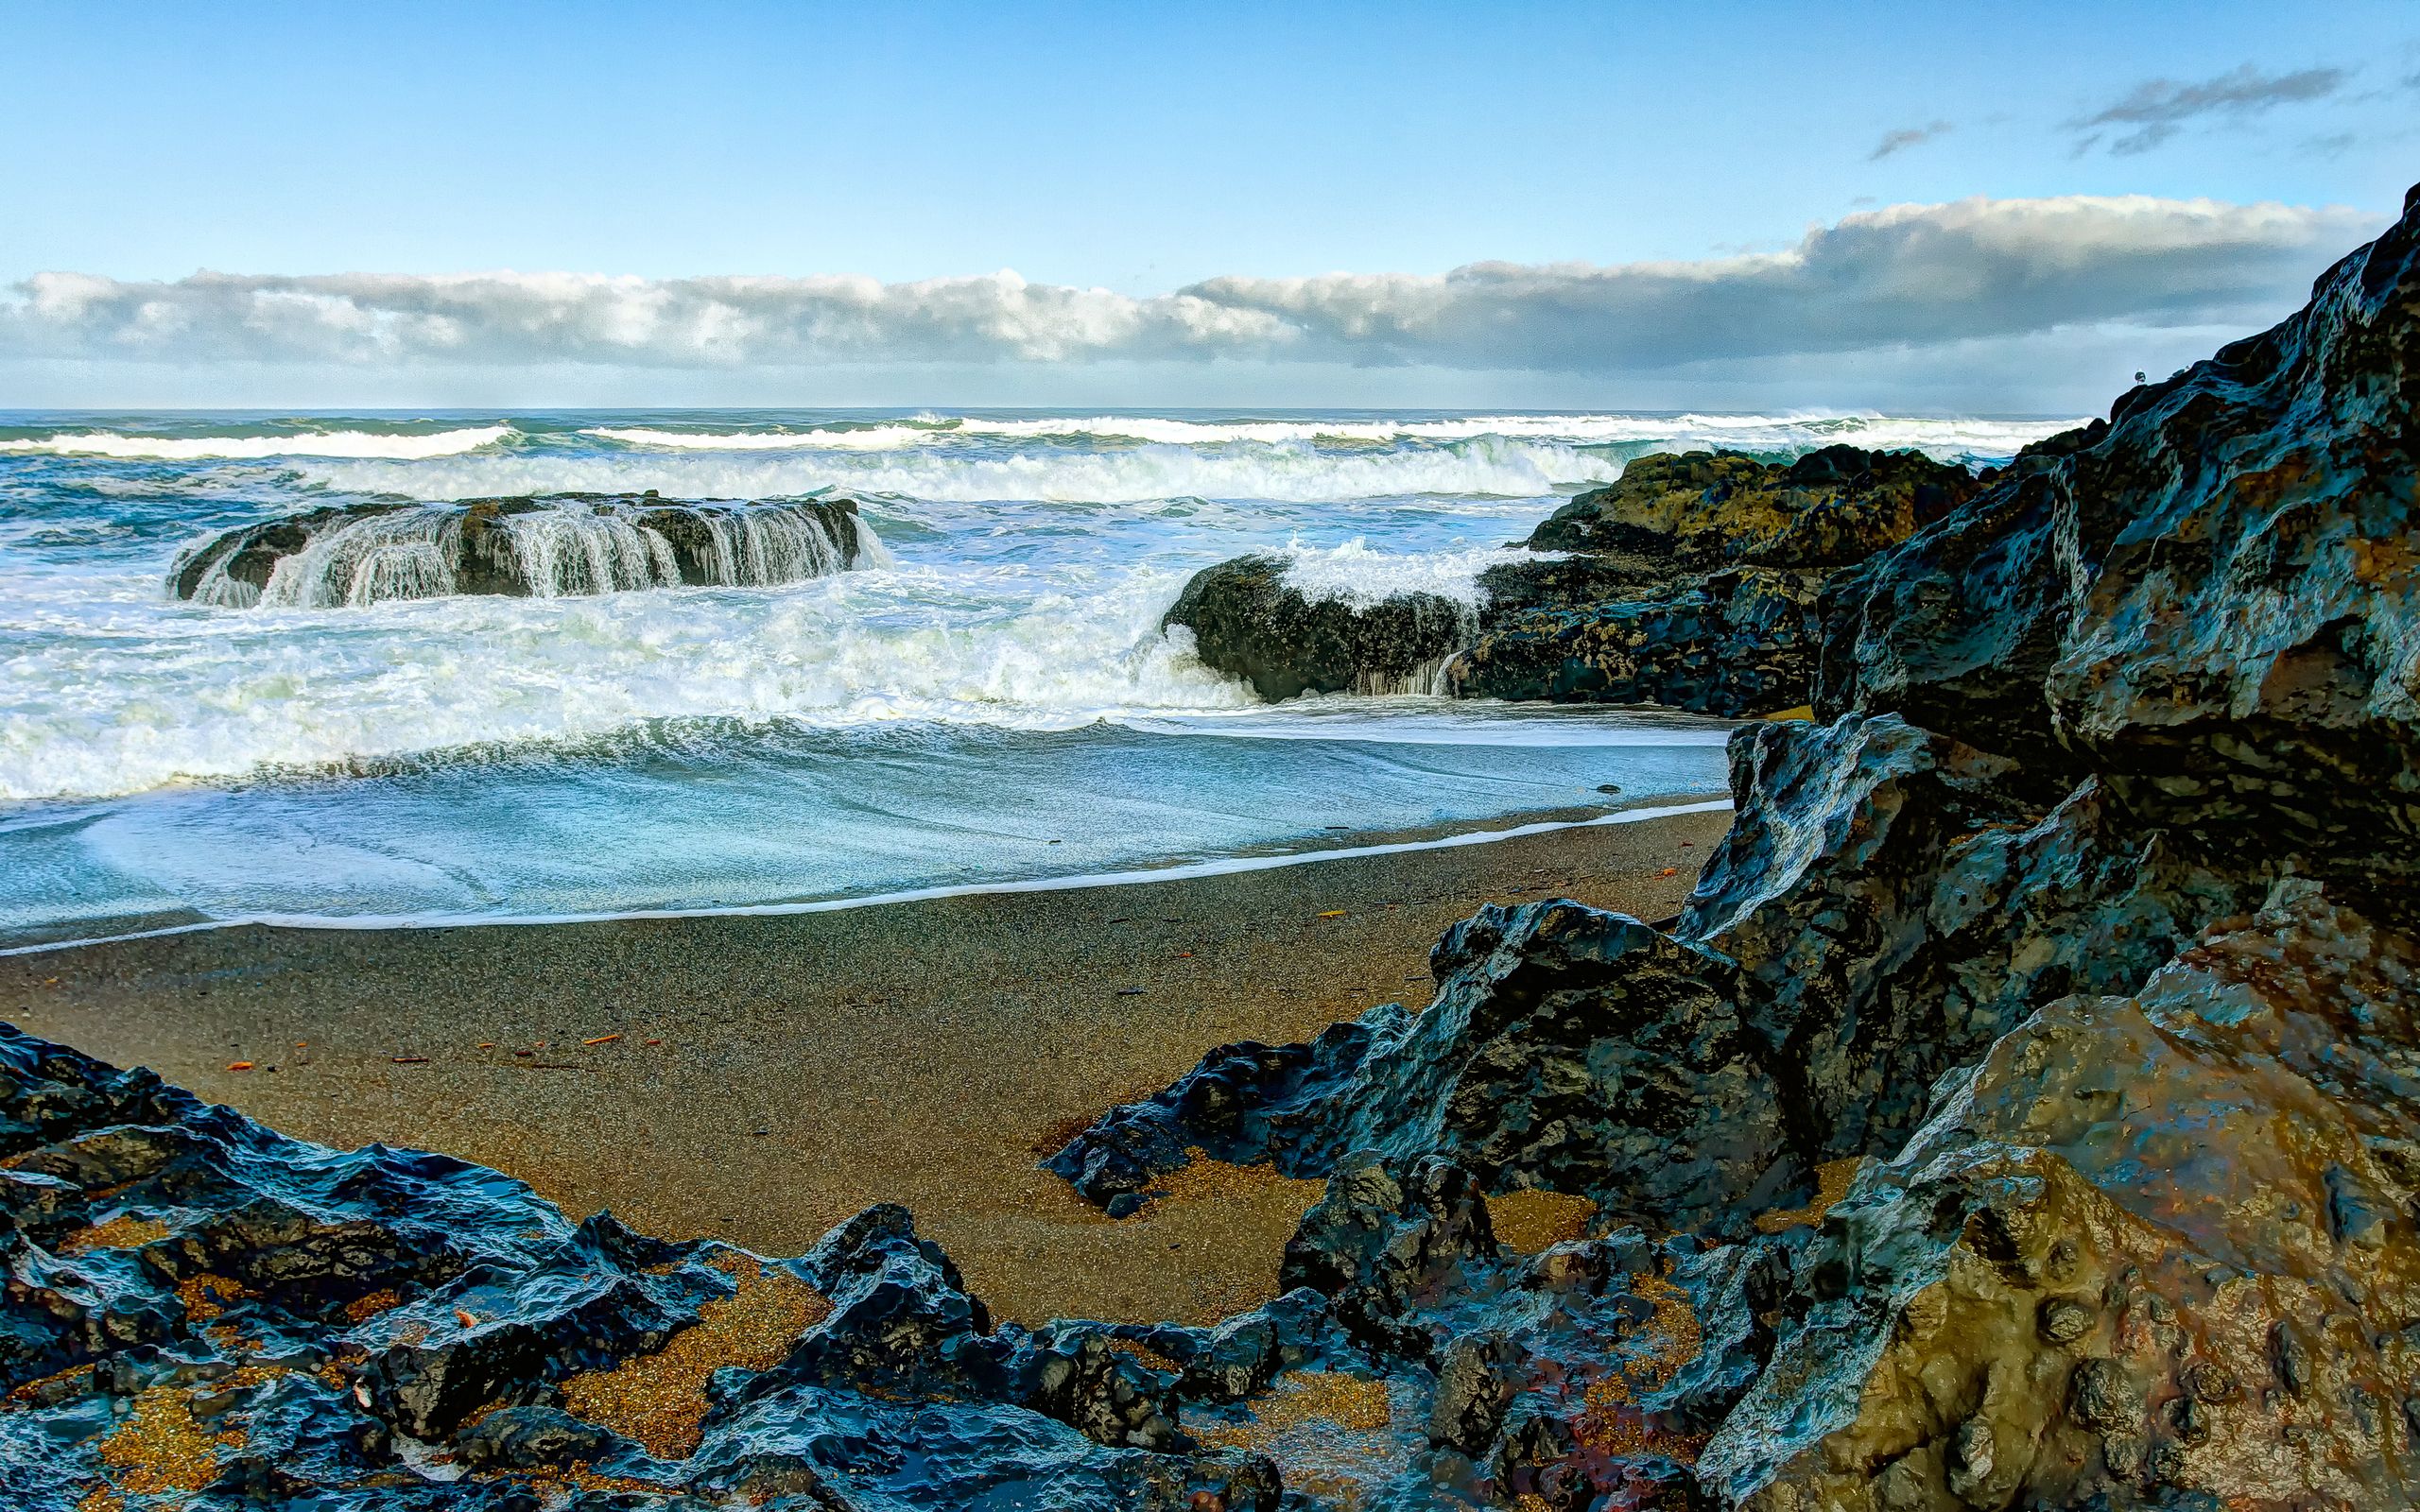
(292, 443)
(1290, 473)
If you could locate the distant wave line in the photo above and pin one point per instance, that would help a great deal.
(345, 445)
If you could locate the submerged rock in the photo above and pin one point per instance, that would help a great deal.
(544, 544)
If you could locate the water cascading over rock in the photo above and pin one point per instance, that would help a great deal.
(543, 546)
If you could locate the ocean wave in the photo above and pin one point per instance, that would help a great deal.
(398, 447)
(1289, 472)
(124, 701)
(1423, 721)
(868, 438)
(1948, 439)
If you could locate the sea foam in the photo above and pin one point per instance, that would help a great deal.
(1285, 472)
(131, 701)
(284, 443)
(1358, 574)
(1948, 439)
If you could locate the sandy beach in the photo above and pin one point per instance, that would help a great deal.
(761, 1078)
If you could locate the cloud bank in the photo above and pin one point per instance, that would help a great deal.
(1889, 281)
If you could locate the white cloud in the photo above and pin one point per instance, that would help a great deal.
(1912, 276)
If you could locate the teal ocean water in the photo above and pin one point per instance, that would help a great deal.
(987, 698)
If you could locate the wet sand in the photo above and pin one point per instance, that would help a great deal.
(762, 1078)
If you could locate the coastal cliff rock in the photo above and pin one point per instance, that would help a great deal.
(544, 545)
(1694, 583)
(1739, 643)
(2209, 599)
(2068, 1154)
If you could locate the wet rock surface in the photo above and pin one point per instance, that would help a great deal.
(543, 544)
(1693, 582)
(1248, 622)
(2025, 1112)
(199, 1313)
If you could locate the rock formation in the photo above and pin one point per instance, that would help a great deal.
(1692, 582)
(1248, 622)
(2025, 1112)
(2033, 1081)
(544, 546)
(200, 1313)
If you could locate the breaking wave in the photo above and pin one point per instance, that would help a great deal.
(183, 700)
(1949, 439)
(1289, 472)
(1358, 574)
(398, 447)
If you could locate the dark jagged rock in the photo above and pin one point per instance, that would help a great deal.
(1697, 586)
(200, 1313)
(1894, 901)
(1244, 1103)
(1741, 642)
(2209, 600)
(1566, 1048)
(1248, 622)
(2071, 960)
(535, 544)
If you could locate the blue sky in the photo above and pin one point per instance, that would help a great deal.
(1141, 150)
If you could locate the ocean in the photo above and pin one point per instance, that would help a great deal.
(986, 699)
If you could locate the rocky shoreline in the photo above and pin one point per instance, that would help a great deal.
(2024, 1112)
(1692, 582)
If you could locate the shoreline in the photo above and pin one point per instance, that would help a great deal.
(1433, 839)
(760, 1074)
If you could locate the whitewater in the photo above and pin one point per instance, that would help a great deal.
(988, 698)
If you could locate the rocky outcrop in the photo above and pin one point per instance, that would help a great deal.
(2030, 1095)
(1693, 582)
(1739, 643)
(544, 545)
(2025, 1112)
(200, 1313)
(2209, 599)
(1248, 622)
(2152, 1245)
